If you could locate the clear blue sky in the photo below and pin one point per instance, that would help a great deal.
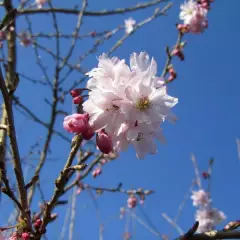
(208, 90)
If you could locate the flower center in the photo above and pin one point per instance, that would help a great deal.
(143, 104)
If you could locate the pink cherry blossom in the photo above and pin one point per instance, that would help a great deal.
(208, 218)
(199, 22)
(189, 9)
(129, 103)
(132, 202)
(194, 15)
(200, 198)
(129, 25)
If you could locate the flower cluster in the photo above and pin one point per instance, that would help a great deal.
(127, 105)
(207, 216)
(194, 16)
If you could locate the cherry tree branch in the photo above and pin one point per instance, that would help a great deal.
(90, 13)
(38, 120)
(15, 152)
(60, 182)
(214, 235)
(170, 56)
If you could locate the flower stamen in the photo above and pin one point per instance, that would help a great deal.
(143, 104)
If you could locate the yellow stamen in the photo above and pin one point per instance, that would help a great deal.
(143, 104)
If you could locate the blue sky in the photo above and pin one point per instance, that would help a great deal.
(208, 119)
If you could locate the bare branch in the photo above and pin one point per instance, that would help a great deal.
(90, 13)
(14, 146)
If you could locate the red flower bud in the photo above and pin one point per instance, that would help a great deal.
(77, 100)
(25, 236)
(88, 134)
(76, 92)
(104, 142)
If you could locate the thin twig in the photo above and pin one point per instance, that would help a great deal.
(157, 13)
(196, 169)
(73, 214)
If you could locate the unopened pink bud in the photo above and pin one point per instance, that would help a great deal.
(103, 161)
(94, 34)
(132, 202)
(171, 78)
(77, 100)
(171, 71)
(180, 27)
(76, 123)
(96, 172)
(88, 134)
(104, 142)
(75, 92)
(183, 28)
(176, 51)
(79, 190)
(25, 236)
(37, 223)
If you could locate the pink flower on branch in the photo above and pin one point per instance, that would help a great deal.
(129, 103)
(200, 198)
(194, 15)
(208, 218)
(132, 201)
(129, 25)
